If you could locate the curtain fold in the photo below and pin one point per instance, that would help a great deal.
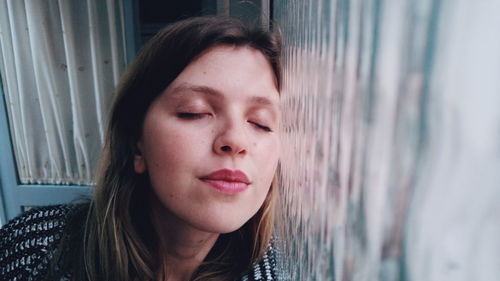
(60, 61)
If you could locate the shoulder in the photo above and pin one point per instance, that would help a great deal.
(266, 268)
(29, 241)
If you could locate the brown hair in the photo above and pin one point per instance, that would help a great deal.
(118, 242)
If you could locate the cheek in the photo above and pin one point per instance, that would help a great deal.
(270, 148)
(269, 152)
(170, 145)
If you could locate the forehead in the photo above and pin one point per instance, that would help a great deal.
(234, 72)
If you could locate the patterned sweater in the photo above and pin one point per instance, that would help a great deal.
(30, 242)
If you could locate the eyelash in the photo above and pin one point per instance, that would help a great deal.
(262, 127)
(189, 115)
(194, 116)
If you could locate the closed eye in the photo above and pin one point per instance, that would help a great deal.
(261, 127)
(191, 116)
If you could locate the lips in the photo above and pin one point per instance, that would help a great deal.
(228, 181)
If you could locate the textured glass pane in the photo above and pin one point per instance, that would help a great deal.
(391, 158)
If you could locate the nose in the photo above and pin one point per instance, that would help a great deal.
(231, 140)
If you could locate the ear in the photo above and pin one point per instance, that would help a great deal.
(139, 163)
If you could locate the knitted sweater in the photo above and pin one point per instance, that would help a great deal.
(30, 242)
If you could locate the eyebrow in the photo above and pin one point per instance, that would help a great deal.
(178, 91)
(195, 88)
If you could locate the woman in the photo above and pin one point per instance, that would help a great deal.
(186, 181)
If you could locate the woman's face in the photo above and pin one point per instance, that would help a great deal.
(210, 141)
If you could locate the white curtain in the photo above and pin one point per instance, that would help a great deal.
(59, 62)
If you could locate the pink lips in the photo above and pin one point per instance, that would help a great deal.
(228, 181)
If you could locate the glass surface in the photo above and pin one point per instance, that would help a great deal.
(391, 157)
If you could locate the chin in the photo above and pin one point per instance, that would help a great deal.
(220, 226)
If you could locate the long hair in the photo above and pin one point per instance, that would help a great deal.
(119, 241)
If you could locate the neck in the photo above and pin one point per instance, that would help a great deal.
(183, 247)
